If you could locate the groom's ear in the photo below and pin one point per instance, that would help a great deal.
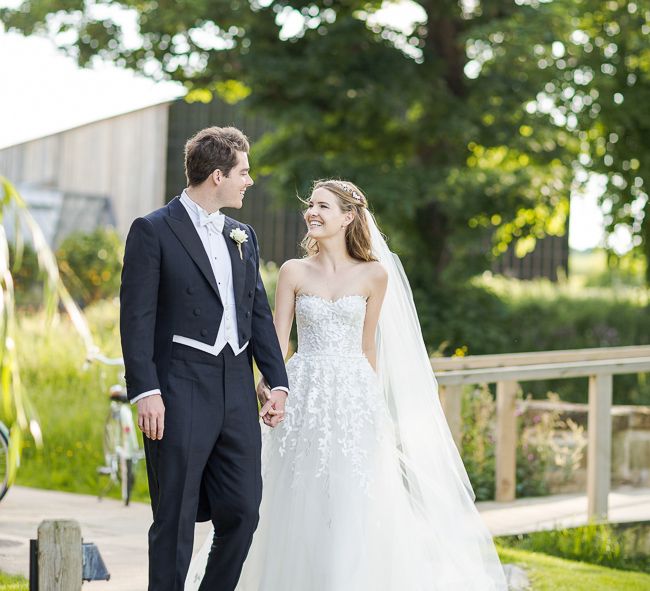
(217, 176)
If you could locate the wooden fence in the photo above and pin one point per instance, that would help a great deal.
(506, 371)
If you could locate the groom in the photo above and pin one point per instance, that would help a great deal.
(194, 313)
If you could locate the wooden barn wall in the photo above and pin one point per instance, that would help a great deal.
(122, 158)
(279, 228)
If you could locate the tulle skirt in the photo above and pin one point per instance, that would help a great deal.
(336, 514)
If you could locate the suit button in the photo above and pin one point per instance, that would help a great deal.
(250, 293)
(190, 290)
(243, 336)
(248, 314)
(197, 311)
(204, 332)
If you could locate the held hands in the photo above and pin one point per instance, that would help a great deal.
(151, 416)
(272, 403)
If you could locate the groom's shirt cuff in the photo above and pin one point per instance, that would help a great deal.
(144, 395)
(281, 388)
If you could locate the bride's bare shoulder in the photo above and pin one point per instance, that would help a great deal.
(375, 271)
(294, 268)
(374, 276)
(293, 265)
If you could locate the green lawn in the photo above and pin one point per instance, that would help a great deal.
(548, 573)
(71, 402)
(13, 583)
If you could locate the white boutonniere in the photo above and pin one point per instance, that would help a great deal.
(239, 236)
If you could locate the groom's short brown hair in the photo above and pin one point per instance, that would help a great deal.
(211, 149)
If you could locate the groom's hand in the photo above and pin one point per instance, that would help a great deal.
(263, 392)
(272, 412)
(151, 416)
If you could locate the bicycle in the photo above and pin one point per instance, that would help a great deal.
(121, 448)
(4, 460)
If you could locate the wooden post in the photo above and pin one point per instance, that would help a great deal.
(59, 556)
(506, 443)
(599, 447)
(451, 398)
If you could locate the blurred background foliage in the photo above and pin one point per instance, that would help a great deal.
(467, 128)
(91, 264)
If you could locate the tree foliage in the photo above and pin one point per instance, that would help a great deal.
(475, 122)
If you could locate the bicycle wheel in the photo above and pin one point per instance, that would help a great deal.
(4, 461)
(126, 479)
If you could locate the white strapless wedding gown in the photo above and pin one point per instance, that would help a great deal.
(335, 514)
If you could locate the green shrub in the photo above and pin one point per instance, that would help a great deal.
(91, 264)
(477, 447)
(594, 543)
(534, 449)
(498, 315)
(26, 275)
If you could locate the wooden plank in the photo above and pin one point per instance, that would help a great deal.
(506, 441)
(542, 372)
(451, 398)
(599, 446)
(440, 364)
(59, 556)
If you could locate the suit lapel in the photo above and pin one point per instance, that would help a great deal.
(238, 262)
(180, 223)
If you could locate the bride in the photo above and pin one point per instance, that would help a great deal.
(364, 489)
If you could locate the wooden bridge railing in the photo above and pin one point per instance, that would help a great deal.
(506, 371)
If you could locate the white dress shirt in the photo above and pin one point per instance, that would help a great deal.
(217, 250)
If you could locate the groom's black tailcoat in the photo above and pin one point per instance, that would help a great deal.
(207, 465)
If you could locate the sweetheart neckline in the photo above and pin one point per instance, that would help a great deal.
(331, 301)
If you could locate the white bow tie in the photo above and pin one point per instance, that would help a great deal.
(217, 220)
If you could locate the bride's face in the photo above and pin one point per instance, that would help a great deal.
(324, 216)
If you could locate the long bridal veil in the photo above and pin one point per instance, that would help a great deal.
(432, 469)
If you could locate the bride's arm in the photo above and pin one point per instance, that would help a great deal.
(378, 283)
(285, 300)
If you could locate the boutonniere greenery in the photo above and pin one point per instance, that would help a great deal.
(239, 236)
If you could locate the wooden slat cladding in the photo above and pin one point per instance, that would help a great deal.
(123, 158)
(279, 228)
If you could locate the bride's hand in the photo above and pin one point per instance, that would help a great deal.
(272, 412)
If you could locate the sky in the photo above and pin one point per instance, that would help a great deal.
(43, 92)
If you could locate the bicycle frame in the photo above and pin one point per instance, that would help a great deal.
(128, 441)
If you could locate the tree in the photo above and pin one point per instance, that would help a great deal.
(608, 94)
(453, 127)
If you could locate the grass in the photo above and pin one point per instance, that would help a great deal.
(13, 583)
(71, 403)
(597, 543)
(548, 573)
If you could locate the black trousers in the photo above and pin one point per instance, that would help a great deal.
(208, 461)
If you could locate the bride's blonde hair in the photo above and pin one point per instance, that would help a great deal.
(357, 233)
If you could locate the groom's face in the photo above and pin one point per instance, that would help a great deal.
(230, 189)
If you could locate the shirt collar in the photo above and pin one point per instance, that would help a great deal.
(192, 207)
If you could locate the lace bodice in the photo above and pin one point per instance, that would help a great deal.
(330, 327)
